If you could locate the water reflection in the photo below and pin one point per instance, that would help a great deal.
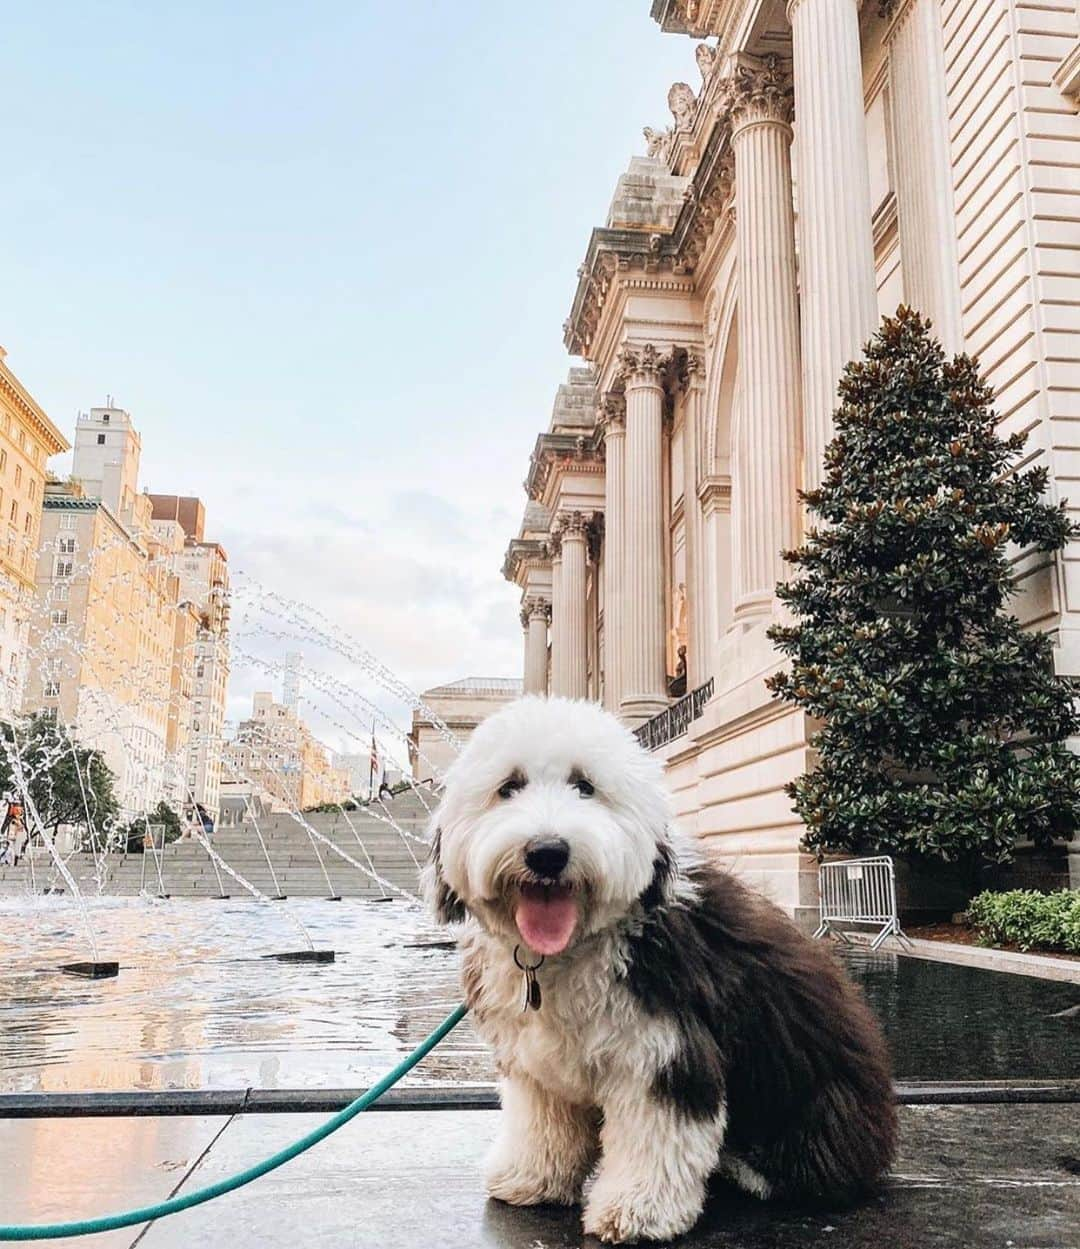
(195, 1005)
(948, 1022)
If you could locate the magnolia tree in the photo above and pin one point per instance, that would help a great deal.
(943, 723)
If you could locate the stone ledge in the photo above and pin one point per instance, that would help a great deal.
(1040, 965)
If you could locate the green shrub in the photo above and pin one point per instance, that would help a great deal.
(1048, 921)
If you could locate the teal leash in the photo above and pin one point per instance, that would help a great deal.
(128, 1218)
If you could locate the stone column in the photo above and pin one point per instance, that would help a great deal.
(767, 457)
(697, 671)
(534, 617)
(924, 192)
(836, 246)
(614, 419)
(572, 593)
(644, 691)
(559, 628)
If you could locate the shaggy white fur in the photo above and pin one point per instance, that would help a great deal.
(589, 1048)
(555, 827)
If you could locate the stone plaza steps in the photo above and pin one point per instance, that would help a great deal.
(187, 870)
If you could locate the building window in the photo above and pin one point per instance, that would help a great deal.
(59, 616)
(105, 419)
(65, 567)
(18, 474)
(3, 460)
(101, 440)
(66, 546)
(51, 689)
(67, 522)
(28, 523)
(14, 511)
(59, 593)
(31, 490)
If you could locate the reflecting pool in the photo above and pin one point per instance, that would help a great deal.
(197, 1006)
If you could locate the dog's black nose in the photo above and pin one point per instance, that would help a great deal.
(547, 856)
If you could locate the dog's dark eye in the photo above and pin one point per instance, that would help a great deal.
(583, 785)
(511, 785)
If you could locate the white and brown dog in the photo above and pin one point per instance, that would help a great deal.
(652, 1019)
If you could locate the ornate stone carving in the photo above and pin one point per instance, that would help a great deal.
(570, 524)
(658, 143)
(535, 607)
(759, 92)
(706, 60)
(594, 536)
(712, 316)
(714, 206)
(683, 104)
(612, 414)
(647, 359)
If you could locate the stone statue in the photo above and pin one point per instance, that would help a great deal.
(658, 143)
(682, 102)
(677, 634)
(706, 59)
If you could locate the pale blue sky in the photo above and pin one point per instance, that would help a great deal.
(323, 254)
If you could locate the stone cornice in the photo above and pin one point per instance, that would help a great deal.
(694, 17)
(714, 494)
(20, 399)
(667, 258)
(562, 452)
(612, 252)
(521, 553)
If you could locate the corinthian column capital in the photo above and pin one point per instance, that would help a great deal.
(643, 365)
(535, 608)
(759, 90)
(694, 369)
(570, 524)
(612, 414)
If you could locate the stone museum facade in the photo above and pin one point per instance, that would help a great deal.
(834, 161)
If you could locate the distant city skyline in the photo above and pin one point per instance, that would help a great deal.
(320, 263)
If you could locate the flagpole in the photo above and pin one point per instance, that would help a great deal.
(371, 765)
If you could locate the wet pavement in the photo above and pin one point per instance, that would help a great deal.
(983, 1177)
(197, 1007)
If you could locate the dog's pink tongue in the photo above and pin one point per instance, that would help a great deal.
(546, 918)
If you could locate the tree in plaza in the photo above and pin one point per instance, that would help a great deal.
(943, 723)
(66, 783)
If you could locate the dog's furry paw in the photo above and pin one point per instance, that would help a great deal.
(517, 1185)
(627, 1221)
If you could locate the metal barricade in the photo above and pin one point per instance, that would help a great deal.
(153, 848)
(860, 891)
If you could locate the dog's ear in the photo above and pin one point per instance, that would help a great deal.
(661, 888)
(448, 907)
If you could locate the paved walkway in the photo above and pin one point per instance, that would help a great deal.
(968, 1177)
